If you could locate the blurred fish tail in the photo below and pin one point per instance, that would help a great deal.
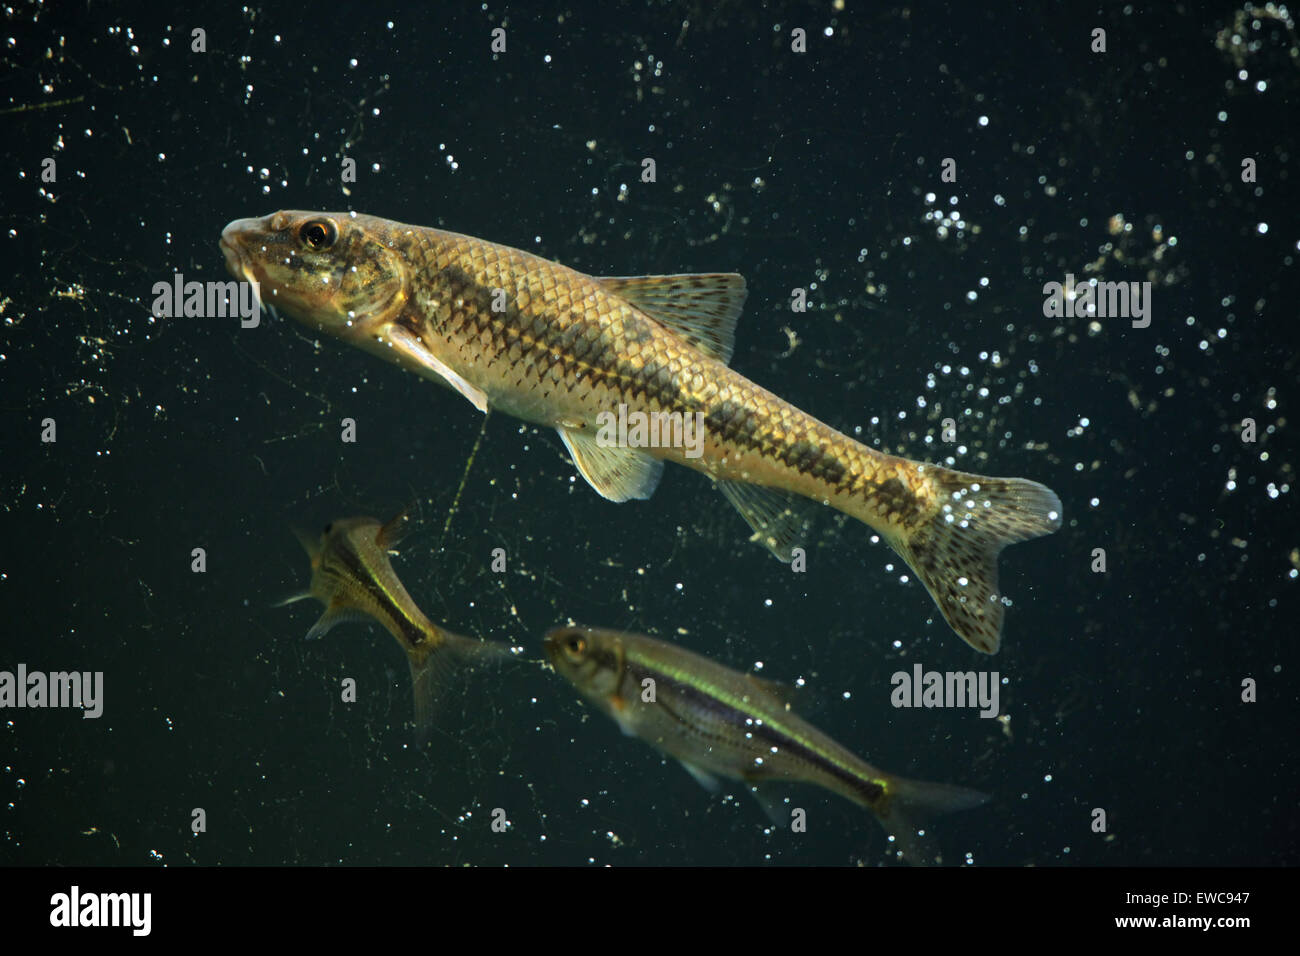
(910, 807)
(436, 664)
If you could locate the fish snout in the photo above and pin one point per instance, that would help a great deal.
(234, 239)
(551, 642)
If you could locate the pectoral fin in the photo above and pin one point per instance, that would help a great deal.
(622, 720)
(333, 616)
(414, 350)
(293, 598)
(617, 473)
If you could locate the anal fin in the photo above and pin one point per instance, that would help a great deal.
(780, 520)
(705, 779)
(772, 806)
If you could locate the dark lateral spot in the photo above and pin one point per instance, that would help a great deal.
(893, 497)
(650, 380)
(638, 332)
(812, 459)
(833, 470)
(871, 790)
(581, 347)
(733, 422)
(652, 372)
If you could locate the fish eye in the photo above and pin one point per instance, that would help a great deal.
(576, 645)
(318, 234)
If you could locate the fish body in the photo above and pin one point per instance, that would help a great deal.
(719, 722)
(548, 344)
(352, 575)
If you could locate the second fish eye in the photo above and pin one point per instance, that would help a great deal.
(318, 234)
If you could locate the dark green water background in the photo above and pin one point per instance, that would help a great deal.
(811, 170)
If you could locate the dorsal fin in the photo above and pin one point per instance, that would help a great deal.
(396, 528)
(783, 693)
(700, 307)
(308, 541)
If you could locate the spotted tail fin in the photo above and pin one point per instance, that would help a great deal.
(955, 554)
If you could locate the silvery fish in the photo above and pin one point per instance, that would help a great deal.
(353, 577)
(723, 723)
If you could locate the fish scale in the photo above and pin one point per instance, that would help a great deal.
(634, 358)
(569, 350)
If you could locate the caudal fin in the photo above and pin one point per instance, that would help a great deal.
(434, 666)
(911, 805)
(955, 554)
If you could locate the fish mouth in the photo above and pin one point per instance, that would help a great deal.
(234, 263)
(232, 248)
(237, 264)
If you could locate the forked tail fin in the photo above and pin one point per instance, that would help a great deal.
(955, 554)
(435, 663)
(911, 805)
